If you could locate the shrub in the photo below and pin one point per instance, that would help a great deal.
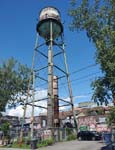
(23, 145)
(46, 142)
(69, 131)
(71, 137)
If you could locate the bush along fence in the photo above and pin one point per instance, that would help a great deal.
(42, 137)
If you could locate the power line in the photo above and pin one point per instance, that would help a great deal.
(84, 68)
(84, 77)
(82, 95)
(84, 81)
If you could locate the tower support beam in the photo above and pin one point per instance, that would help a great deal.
(50, 112)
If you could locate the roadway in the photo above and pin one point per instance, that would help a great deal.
(70, 145)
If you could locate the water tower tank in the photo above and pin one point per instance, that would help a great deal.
(47, 16)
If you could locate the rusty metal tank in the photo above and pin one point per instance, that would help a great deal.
(49, 23)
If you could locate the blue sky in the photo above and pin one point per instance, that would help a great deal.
(18, 19)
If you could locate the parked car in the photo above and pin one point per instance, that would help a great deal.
(88, 135)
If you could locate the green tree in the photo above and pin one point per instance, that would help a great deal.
(111, 116)
(14, 79)
(97, 19)
(5, 128)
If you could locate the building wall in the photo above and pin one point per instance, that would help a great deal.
(93, 123)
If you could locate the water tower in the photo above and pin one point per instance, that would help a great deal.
(50, 26)
(50, 34)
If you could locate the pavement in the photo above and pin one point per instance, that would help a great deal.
(70, 145)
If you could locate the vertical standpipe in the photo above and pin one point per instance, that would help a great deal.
(56, 101)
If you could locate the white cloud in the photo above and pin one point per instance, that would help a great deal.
(62, 108)
(81, 96)
(18, 111)
(67, 99)
(15, 111)
(39, 94)
(78, 96)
